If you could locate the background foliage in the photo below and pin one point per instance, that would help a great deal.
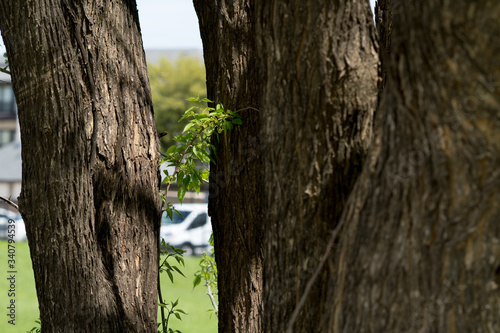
(171, 82)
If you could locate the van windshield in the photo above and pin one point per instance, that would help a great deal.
(176, 218)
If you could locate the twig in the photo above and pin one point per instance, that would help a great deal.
(247, 108)
(5, 70)
(214, 304)
(10, 203)
(311, 281)
(160, 296)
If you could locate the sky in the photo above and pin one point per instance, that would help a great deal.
(171, 24)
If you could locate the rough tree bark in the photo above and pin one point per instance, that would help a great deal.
(235, 207)
(90, 159)
(383, 21)
(319, 92)
(421, 248)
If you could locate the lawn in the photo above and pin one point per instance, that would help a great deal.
(194, 302)
(25, 298)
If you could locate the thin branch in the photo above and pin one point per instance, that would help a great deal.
(311, 281)
(161, 298)
(10, 203)
(214, 304)
(5, 70)
(247, 108)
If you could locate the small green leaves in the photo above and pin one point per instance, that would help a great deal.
(170, 252)
(170, 275)
(171, 150)
(165, 266)
(190, 157)
(192, 152)
(188, 126)
(171, 311)
(36, 329)
(181, 193)
(178, 270)
(208, 273)
(197, 280)
(169, 209)
(175, 210)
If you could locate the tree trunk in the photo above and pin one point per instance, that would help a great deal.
(383, 19)
(420, 251)
(90, 162)
(319, 91)
(235, 207)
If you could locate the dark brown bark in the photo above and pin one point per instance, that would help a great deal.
(319, 91)
(90, 160)
(420, 252)
(383, 20)
(235, 207)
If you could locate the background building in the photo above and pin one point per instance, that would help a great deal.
(8, 110)
(10, 144)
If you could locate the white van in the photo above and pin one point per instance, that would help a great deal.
(191, 231)
(14, 230)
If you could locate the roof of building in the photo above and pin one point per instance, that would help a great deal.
(10, 162)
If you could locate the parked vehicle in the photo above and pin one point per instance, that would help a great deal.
(189, 231)
(16, 229)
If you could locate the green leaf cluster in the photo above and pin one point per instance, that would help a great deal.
(171, 311)
(192, 151)
(36, 328)
(170, 252)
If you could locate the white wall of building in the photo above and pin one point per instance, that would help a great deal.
(10, 190)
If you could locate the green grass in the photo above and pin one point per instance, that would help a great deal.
(194, 302)
(25, 298)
